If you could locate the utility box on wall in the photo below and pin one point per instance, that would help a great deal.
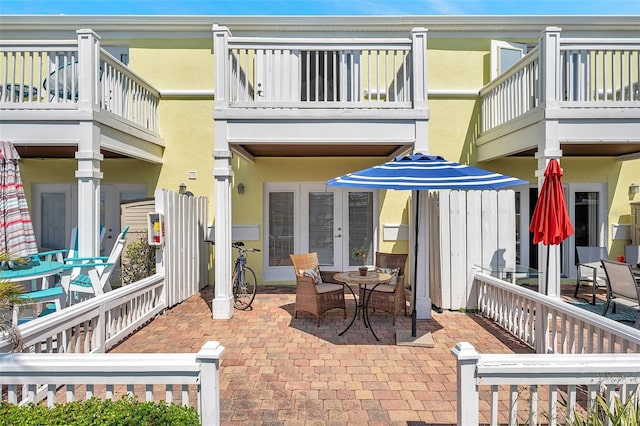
(155, 224)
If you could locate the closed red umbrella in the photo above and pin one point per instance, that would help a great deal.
(16, 230)
(550, 222)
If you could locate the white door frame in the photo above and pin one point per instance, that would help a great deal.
(301, 213)
(71, 212)
(603, 214)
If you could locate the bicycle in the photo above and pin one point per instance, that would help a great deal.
(244, 279)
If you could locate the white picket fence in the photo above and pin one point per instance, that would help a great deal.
(467, 228)
(187, 379)
(526, 389)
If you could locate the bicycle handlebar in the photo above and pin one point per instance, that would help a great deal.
(240, 246)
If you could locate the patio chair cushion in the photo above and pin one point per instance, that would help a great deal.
(394, 272)
(328, 287)
(314, 273)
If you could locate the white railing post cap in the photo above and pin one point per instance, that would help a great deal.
(211, 350)
(465, 351)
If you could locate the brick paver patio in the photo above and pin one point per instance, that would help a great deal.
(277, 369)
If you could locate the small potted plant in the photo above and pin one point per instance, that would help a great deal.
(361, 253)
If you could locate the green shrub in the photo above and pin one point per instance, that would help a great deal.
(139, 260)
(96, 412)
(627, 414)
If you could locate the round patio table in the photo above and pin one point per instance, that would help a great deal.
(36, 270)
(368, 283)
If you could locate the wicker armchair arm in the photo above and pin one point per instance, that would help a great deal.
(327, 277)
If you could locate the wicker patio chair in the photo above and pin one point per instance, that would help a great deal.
(386, 297)
(314, 297)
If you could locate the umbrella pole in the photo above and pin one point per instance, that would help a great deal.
(546, 272)
(414, 314)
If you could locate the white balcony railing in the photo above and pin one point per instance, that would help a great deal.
(343, 73)
(54, 75)
(513, 93)
(272, 72)
(578, 73)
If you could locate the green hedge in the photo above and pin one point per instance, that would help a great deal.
(96, 412)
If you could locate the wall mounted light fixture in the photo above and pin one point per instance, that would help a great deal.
(240, 188)
(182, 189)
(634, 188)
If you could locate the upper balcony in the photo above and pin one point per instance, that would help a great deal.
(588, 86)
(57, 84)
(325, 96)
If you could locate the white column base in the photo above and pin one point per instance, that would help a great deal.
(222, 308)
(423, 308)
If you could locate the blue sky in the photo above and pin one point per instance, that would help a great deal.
(322, 7)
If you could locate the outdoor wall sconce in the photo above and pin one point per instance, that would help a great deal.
(240, 188)
(634, 188)
(182, 189)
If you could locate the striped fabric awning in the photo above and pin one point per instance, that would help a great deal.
(422, 172)
(16, 230)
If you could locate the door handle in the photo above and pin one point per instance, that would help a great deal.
(337, 236)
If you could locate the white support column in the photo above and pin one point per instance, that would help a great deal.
(419, 64)
(420, 257)
(221, 66)
(88, 69)
(550, 70)
(89, 176)
(420, 263)
(88, 152)
(419, 76)
(223, 174)
(549, 148)
(468, 396)
(223, 298)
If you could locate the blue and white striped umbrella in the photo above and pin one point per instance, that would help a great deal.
(421, 172)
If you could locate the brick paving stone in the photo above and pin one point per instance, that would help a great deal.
(280, 370)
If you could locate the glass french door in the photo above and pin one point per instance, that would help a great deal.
(587, 209)
(305, 218)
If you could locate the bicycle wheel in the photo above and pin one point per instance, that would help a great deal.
(244, 291)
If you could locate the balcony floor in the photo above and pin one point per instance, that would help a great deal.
(277, 369)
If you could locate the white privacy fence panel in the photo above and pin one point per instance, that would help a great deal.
(185, 254)
(550, 325)
(468, 228)
(188, 379)
(94, 325)
(537, 389)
